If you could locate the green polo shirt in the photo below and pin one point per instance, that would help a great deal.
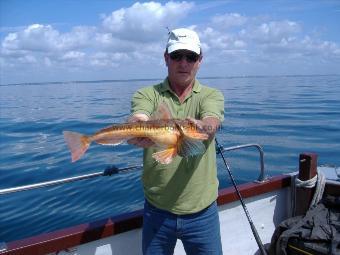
(186, 185)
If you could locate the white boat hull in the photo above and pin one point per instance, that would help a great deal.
(267, 211)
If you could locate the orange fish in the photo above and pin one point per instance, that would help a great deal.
(172, 136)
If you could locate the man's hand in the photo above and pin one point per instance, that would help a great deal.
(208, 124)
(139, 141)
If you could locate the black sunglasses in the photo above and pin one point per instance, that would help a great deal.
(190, 57)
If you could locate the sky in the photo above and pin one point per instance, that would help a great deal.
(87, 40)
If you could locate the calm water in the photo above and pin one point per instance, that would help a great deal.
(286, 115)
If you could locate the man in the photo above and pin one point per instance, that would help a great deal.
(180, 198)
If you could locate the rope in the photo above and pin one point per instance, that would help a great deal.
(319, 180)
(306, 184)
(320, 187)
(336, 171)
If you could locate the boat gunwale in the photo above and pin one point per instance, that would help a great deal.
(66, 238)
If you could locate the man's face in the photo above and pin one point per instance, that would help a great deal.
(182, 66)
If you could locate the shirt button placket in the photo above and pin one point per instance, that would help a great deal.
(180, 113)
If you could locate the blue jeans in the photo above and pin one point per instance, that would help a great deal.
(199, 232)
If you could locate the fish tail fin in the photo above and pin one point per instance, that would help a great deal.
(77, 143)
(165, 156)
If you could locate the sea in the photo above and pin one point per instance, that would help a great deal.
(286, 115)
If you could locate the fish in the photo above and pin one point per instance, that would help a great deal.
(170, 136)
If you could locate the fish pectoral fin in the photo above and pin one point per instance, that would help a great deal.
(190, 147)
(111, 140)
(165, 156)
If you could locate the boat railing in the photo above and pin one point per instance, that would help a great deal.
(114, 170)
(262, 177)
(107, 172)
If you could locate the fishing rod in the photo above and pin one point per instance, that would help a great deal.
(252, 226)
(110, 170)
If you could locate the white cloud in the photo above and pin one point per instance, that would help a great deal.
(240, 44)
(217, 42)
(29, 59)
(233, 38)
(104, 59)
(47, 62)
(319, 48)
(139, 28)
(35, 37)
(145, 21)
(44, 38)
(229, 20)
(273, 31)
(73, 55)
(135, 37)
(107, 42)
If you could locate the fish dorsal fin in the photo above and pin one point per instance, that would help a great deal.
(162, 112)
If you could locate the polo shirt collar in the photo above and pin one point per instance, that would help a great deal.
(166, 86)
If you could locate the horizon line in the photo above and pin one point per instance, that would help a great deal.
(153, 79)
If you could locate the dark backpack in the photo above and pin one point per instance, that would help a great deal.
(318, 232)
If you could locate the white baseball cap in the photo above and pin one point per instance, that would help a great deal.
(183, 39)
